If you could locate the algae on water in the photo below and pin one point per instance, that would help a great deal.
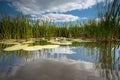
(26, 47)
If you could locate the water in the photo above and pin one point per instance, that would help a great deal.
(81, 61)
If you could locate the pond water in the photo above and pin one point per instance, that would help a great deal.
(80, 61)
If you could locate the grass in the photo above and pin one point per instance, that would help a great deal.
(107, 29)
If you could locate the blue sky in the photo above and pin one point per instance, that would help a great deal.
(54, 10)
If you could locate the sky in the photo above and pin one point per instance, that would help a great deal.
(54, 10)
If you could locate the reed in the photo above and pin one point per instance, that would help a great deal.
(110, 19)
(107, 29)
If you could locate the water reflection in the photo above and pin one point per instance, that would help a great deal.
(109, 61)
(104, 57)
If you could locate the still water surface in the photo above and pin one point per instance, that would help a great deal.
(81, 61)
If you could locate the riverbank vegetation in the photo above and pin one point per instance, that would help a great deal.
(106, 29)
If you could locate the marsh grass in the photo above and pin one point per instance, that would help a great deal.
(107, 29)
(110, 19)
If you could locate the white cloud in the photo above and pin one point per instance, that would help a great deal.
(54, 8)
(42, 6)
(98, 19)
(58, 17)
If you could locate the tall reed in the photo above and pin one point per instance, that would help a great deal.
(107, 29)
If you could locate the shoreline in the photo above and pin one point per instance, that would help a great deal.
(54, 40)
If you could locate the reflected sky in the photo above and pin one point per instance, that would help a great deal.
(102, 59)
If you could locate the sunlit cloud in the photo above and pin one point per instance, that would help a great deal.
(59, 17)
(42, 6)
(52, 9)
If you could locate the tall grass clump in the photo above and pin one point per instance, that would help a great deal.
(14, 28)
(110, 19)
(107, 29)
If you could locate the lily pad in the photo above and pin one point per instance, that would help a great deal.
(9, 41)
(60, 43)
(28, 42)
(38, 47)
(80, 40)
(29, 48)
(33, 48)
(15, 47)
(50, 46)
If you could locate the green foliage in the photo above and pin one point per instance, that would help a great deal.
(110, 19)
(107, 29)
(17, 28)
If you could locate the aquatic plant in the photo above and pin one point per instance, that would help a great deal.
(110, 19)
(107, 29)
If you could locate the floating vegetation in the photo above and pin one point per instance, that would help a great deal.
(60, 42)
(41, 42)
(38, 47)
(16, 47)
(9, 41)
(28, 42)
(50, 46)
(32, 48)
(80, 40)
(21, 41)
(26, 47)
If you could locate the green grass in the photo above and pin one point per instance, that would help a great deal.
(107, 29)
